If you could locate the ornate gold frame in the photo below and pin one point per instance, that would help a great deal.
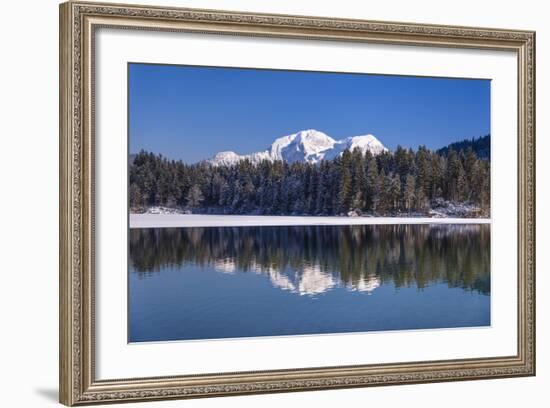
(78, 21)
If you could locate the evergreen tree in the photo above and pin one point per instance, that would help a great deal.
(323, 190)
(194, 197)
(403, 163)
(452, 175)
(359, 181)
(421, 202)
(437, 176)
(424, 171)
(345, 193)
(373, 183)
(461, 184)
(395, 192)
(409, 193)
(384, 203)
(135, 197)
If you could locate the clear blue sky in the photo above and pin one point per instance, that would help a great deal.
(191, 113)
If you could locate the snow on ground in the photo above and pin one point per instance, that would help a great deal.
(165, 210)
(201, 220)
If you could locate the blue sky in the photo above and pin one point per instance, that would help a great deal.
(191, 113)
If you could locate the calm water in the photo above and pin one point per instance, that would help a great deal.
(221, 282)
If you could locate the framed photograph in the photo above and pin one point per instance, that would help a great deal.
(256, 203)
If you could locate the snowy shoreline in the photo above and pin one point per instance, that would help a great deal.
(201, 220)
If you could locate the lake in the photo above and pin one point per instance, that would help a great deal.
(228, 282)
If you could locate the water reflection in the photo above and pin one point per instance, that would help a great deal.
(311, 260)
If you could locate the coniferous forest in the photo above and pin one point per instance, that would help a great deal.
(398, 183)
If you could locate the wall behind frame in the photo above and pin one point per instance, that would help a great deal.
(29, 194)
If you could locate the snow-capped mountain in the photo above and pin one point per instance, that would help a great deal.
(305, 146)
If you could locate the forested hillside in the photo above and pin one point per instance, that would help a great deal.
(391, 183)
(481, 147)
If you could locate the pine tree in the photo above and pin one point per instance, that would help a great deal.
(194, 197)
(452, 175)
(135, 197)
(461, 184)
(345, 187)
(424, 171)
(402, 163)
(485, 195)
(437, 176)
(409, 192)
(225, 197)
(323, 192)
(395, 192)
(384, 203)
(421, 198)
(359, 181)
(373, 185)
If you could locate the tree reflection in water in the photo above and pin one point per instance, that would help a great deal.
(308, 260)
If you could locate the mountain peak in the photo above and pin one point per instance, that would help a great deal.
(226, 158)
(309, 145)
(314, 138)
(311, 134)
(305, 145)
(366, 142)
(367, 138)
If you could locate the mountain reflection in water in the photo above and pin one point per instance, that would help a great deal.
(312, 260)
